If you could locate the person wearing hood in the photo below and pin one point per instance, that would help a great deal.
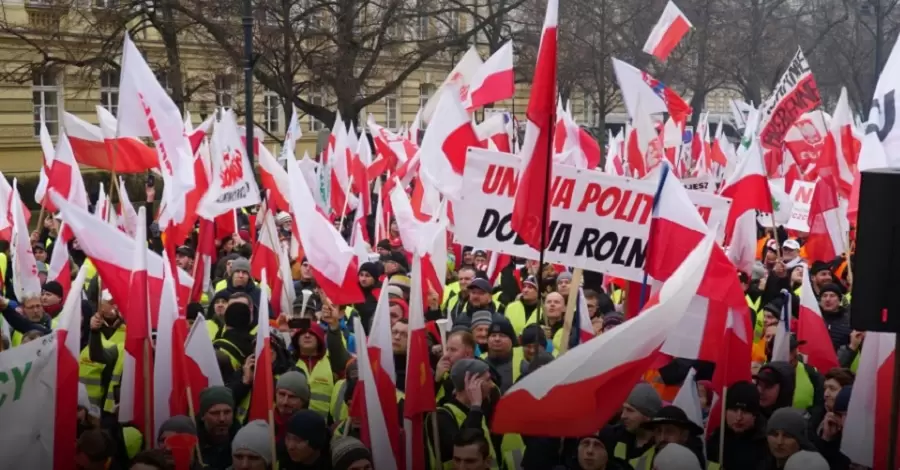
(775, 384)
(745, 431)
(634, 442)
(32, 317)
(236, 342)
(321, 360)
(809, 387)
(349, 453)
(835, 315)
(672, 426)
(503, 352)
(786, 434)
(676, 457)
(526, 309)
(369, 283)
(831, 430)
(251, 448)
(216, 426)
(306, 444)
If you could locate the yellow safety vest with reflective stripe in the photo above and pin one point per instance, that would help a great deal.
(115, 380)
(617, 296)
(460, 416)
(804, 393)
(515, 313)
(3, 261)
(518, 358)
(451, 289)
(712, 466)
(855, 364)
(17, 336)
(235, 362)
(243, 408)
(513, 450)
(642, 462)
(90, 373)
(91, 271)
(339, 409)
(134, 440)
(321, 385)
(213, 329)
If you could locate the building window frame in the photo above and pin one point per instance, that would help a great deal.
(224, 90)
(109, 91)
(272, 112)
(316, 97)
(46, 99)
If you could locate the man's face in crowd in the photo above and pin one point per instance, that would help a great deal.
(396, 312)
(33, 309)
(768, 393)
(366, 279)
(218, 421)
(531, 350)
(399, 337)
(632, 418)
(455, 350)
(240, 278)
(298, 449)
(529, 293)
(822, 277)
(781, 445)
(770, 259)
(479, 298)
(739, 420)
(305, 271)
(219, 306)
(592, 454)
(108, 310)
(593, 306)
(469, 458)
(308, 341)
(555, 306)
(391, 267)
(832, 387)
(465, 276)
(246, 460)
(480, 259)
(468, 258)
(670, 434)
(788, 254)
(184, 262)
(48, 299)
(383, 251)
(562, 286)
(287, 403)
(829, 301)
(499, 343)
(40, 255)
(480, 333)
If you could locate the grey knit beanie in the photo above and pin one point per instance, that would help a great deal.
(345, 451)
(459, 369)
(791, 422)
(256, 438)
(806, 460)
(645, 399)
(296, 383)
(240, 264)
(481, 317)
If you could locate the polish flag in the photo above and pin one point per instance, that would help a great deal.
(206, 251)
(146, 110)
(457, 81)
(614, 163)
(101, 207)
(643, 148)
(654, 95)
(541, 404)
(275, 179)
(110, 251)
(123, 154)
(420, 378)
(734, 365)
(136, 395)
(127, 214)
(812, 330)
(69, 353)
(233, 182)
(444, 146)
(748, 187)
(393, 148)
(312, 171)
(497, 131)
(60, 269)
(531, 216)
(65, 177)
(827, 235)
(841, 149)
(48, 155)
(582, 331)
(291, 135)
(377, 401)
(202, 172)
(263, 382)
(359, 164)
(270, 259)
(671, 27)
(24, 267)
(494, 80)
(672, 138)
(867, 425)
(171, 384)
(333, 262)
(202, 365)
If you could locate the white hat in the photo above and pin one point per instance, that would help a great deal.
(676, 457)
(282, 217)
(791, 244)
(806, 460)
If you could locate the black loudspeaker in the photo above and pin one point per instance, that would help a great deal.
(875, 302)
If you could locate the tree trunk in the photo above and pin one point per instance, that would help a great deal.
(169, 35)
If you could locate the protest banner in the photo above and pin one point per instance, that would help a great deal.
(796, 93)
(781, 203)
(27, 403)
(801, 196)
(704, 184)
(598, 222)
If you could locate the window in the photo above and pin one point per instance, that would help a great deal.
(316, 98)
(391, 112)
(272, 109)
(591, 113)
(45, 96)
(426, 91)
(109, 90)
(162, 76)
(106, 3)
(453, 22)
(224, 91)
(422, 20)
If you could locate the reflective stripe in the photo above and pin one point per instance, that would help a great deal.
(91, 381)
(320, 397)
(321, 385)
(642, 462)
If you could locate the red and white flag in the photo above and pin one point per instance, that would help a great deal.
(65, 176)
(60, 268)
(445, 143)
(332, 260)
(24, 266)
(531, 215)
(655, 97)
(794, 94)
(671, 27)
(270, 259)
(747, 187)
(420, 378)
(206, 251)
(233, 183)
(812, 333)
(202, 365)
(827, 232)
(263, 382)
(494, 80)
(127, 215)
(170, 374)
(274, 178)
(541, 404)
(841, 150)
(458, 79)
(123, 154)
(48, 155)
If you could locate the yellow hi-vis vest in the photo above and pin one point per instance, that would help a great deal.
(18, 336)
(236, 363)
(854, 366)
(642, 462)
(518, 358)
(3, 261)
(451, 289)
(460, 416)
(804, 393)
(339, 409)
(321, 385)
(116, 379)
(133, 439)
(513, 450)
(515, 313)
(91, 373)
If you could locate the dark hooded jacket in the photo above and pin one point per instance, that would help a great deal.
(746, 451)
(250, 289)
(786, 380)
(215, 455)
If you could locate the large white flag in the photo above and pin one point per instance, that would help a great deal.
(233, 184)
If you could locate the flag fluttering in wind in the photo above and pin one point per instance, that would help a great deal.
(667, 33)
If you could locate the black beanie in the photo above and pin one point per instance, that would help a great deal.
(238, 316)
(502, 326)
(311, 427)
(54, 288)
(834, 288)
(743, 396)
(533, 334)
(374, 269)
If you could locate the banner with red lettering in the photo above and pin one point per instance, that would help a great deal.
(801, 196)
(598, 221)
(795, 94)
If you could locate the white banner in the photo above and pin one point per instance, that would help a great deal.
(598, 222)
(795, 94)
(233, 184)
(704, 184)
(801, 196)
(28, 403)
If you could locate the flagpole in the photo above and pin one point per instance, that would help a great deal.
(148, 413)
(544, 213)
(722, 425)
(572, 303)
